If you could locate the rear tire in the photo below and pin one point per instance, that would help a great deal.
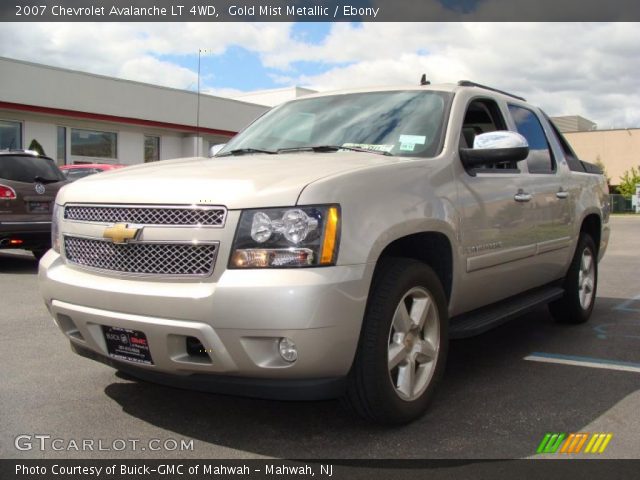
(580, 285)
(39, 253)
(403, 344)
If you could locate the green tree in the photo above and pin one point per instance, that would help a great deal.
(628, 182)
(36, 147)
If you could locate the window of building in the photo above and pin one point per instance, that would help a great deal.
(61, 155)
(10, 135)
(540, 159)
(91, 143)
(151, 148)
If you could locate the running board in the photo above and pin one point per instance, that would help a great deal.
(485, 318)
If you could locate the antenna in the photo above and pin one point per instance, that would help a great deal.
(198, 139)
(424, 81)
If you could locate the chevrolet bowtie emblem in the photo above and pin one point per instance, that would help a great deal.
(120, 233)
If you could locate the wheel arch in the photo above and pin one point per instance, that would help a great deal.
(592, 226)
(434, 248)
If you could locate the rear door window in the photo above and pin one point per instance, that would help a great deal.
(28, 169)
(540, 159)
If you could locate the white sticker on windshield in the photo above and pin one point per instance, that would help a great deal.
(413, 139)
(369, 146)
(407, 147)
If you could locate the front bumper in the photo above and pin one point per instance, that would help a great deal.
(239, 320)
(268, 388)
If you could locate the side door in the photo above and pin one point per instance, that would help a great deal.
(548, 184)
(497, 232)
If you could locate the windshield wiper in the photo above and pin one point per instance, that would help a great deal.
(242, 151)
(332, 148)
(40, 179)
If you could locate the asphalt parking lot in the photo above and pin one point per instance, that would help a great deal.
(502, 390)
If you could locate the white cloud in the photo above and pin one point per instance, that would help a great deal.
(134, 50)
(589, 69)
(570, 68)
(151, 70)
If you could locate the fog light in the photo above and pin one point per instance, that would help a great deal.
(288, 350)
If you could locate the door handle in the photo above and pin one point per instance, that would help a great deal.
(522, 197)
(562, 194)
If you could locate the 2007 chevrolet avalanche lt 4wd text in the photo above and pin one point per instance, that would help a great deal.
(332, 248)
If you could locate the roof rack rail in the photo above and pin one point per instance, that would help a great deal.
(468, 83)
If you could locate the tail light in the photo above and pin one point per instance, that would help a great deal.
(7, 193)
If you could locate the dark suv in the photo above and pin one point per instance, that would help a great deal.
(28, 187)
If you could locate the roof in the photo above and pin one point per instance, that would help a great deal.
(58, 91)
(103, 166)
(437, 87)
(26, 153)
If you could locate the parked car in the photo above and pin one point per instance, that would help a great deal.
(80, 170)
(332, 248)
(28, 187)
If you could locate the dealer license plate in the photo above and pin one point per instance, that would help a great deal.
(39, 207)
(125, 344)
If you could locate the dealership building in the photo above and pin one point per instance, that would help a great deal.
(83, 118)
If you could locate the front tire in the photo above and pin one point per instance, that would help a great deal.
(39, 253)
(403, 344)
(580, 285)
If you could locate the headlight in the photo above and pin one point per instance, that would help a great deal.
(287, 237)
(55, 227)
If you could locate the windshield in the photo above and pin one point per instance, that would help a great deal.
(76, 173)
(29, 169)
(405, 123)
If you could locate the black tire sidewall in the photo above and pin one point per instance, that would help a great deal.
(39, 253)
(395, 279)
(573, 309)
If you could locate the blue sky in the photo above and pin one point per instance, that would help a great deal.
(240, 68)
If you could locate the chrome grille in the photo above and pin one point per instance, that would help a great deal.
(169, 215)
(169, 259)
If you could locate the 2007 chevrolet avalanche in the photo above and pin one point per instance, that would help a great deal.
(332, 248)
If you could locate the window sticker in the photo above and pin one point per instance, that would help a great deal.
(407, 147)
(369, 146)
(413, 139)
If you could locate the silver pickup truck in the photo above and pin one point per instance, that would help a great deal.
(332, 248)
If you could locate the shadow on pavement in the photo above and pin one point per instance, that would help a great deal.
(491, 404)
(18, 263)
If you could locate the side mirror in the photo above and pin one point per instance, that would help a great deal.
(213, 151)
(495, 147)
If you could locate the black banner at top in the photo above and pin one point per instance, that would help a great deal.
(318, 10)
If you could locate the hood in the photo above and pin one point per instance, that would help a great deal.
(248, 181)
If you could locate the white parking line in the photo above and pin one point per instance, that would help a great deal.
(588, 362)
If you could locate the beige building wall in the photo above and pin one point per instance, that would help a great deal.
(618, 150)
